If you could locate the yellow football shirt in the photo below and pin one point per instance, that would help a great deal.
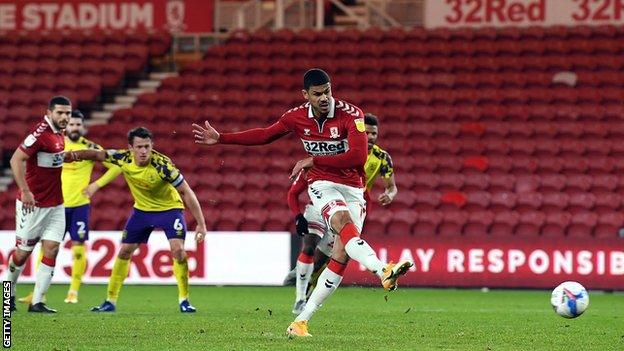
(378, 163)
(76, 176)
(153, 187)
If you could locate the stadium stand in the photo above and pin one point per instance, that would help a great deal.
(492, 132)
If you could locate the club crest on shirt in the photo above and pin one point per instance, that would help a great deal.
(306, 131)
(333, 133)
(359, 124)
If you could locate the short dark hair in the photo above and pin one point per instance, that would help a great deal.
(139, 132)
(314, 77)
(58, 100)
(77, 114)
(371, 119)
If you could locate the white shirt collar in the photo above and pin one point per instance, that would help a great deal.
(332, 105)
(47, 119)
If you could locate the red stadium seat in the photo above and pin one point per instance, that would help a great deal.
(453, 223)
(477, 201)
(552, 183)
(556, 224)
(582, 225)
(608, 202)
(530, 224)
(609, 225)
(581, 202)
(528, 202)
(479, 223)
(427, 223)
(504, 223)
(554, 202)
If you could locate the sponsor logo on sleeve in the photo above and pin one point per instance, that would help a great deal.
(30, 140)
(359, 124)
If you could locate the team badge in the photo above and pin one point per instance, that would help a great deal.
(306, 131)
(359, 124)
(333, 133)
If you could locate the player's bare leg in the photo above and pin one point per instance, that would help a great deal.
(181, 273)
(44, 275)
(118, 275)
(15, 267)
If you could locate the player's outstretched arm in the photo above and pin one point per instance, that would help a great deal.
(79, 155)
(258, 136)
(205, 135)
(390, 191)
(189, 198)
(19, 173)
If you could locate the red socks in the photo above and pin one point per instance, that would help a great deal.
(337, 267)
(348, 232)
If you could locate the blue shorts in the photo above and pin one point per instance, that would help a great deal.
(141, 223)
(77, 222)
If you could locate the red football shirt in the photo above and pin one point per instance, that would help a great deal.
(44, 145)
(338, 143)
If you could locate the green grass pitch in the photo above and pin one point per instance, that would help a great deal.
(354, 318)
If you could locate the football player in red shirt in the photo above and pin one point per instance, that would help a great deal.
(333, 134)
(40, 214)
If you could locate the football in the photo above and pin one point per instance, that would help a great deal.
(569, 299)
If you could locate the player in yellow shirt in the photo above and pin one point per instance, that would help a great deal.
(378, 165)
(75, 179)
(160, 193)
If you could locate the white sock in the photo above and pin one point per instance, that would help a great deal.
(328, 281)
(13, 273)
(44, 277)
(304, 272)
(359, 250)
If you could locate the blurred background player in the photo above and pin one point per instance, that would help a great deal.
(39, 209)
(332, 132)
(77, 192)
(160, 193)
(378, 165)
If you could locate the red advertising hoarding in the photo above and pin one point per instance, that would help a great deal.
(512, 262)
(500, 13)
(171, 15)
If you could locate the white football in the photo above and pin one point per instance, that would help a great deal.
(569, 299)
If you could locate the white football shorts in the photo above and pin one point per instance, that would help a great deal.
(42, 223)
(332, 197)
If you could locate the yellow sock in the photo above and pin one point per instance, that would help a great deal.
(181, 272)
(80, 265)
(119, 273)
